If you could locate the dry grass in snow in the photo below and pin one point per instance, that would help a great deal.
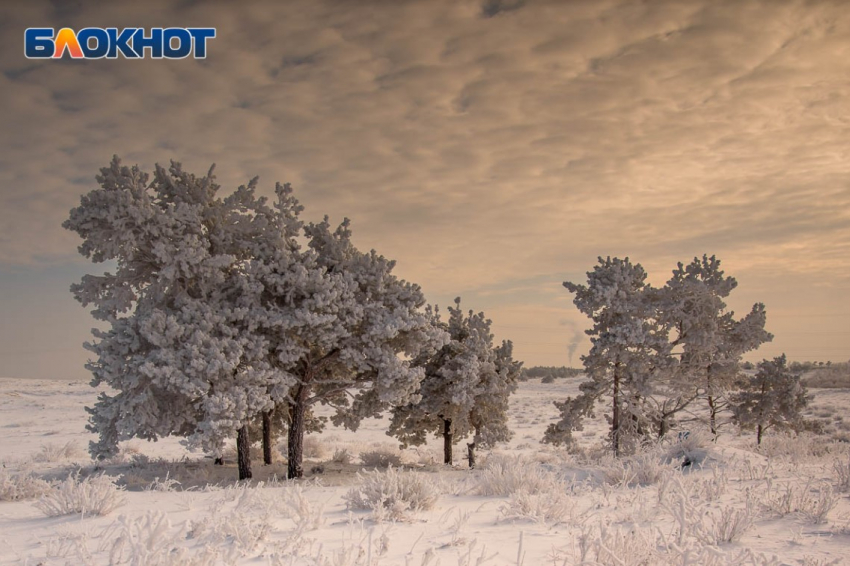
(367, 503)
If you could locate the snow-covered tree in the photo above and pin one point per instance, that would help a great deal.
(773, 397)
(489, 415)
(707, 338)
(342, 330)
(181, 352)
(629, 348)
(220, 319)
(465, 390)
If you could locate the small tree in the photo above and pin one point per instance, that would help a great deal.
(628, 349)
(489, 415)
(465, 389)
(773, 397)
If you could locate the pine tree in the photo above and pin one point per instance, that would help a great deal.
(342, 330)
(220, 319)
(629, 348)
(465, 389)
(773, 397)
(489, 415)
(708, 339)
(180, 351)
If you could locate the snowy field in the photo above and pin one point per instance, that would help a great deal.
(527, 503)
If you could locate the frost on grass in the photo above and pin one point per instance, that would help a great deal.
(504, 475)
(841, 473)
(381, 457)
(695, 520)
(393, 494)
(152, 540)
(639, 470)
(50, 453)
(544, 508)
(810, 501)
(534, 493)
(94, 495)
(24, 485)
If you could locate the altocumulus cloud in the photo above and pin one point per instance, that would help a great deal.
(482, 144)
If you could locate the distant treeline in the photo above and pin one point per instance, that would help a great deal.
(549, 373)
(823, 375)
(802, 367)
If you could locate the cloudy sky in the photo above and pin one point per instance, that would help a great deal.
(493, 148)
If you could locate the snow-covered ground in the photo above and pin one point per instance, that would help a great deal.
(787, 504)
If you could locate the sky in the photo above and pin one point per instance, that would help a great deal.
(493, 148)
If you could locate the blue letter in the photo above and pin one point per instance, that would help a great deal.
(183, 38)
(38, 43)
(201, 35)
(154, 42)
(121, 43)
(102, 38)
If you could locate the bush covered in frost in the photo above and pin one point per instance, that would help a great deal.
(94, 495)
(393, 494)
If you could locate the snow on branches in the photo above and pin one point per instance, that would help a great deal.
(773, 397)
(655, 351)
(217, 315)
(465, 389)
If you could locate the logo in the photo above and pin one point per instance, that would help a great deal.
(107, 43)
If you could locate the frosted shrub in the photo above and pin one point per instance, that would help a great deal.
(168, 484)
(504, 475)
(616, 547)
(383, 457)
(314, 448)
(728, 525)
(239, 526)
(795, 447)
(21, 486)
(307, 517)
(813, 503)
(94, 495)
(151, 540)
(694, 520)
(392, 494)
(547, 508)
(341, 456)
(643, 469)
(50, 453)
(841, 467)
(713, 488)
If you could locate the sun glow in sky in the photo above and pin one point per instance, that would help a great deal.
(493, 148)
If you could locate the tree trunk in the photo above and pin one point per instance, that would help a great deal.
(267, 438)
(447, 441)
(615, 414)
(712, 415)
(297, 412)
(470, 452)
(759, 431)
(243, 453)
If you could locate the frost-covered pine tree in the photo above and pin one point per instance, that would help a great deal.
(773, 397)
(489, 415)
(707, 338)
(629, 348)
(465, 390)
(181, 353)
(342, 330)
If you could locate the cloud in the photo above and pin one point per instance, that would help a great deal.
(475, 142)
